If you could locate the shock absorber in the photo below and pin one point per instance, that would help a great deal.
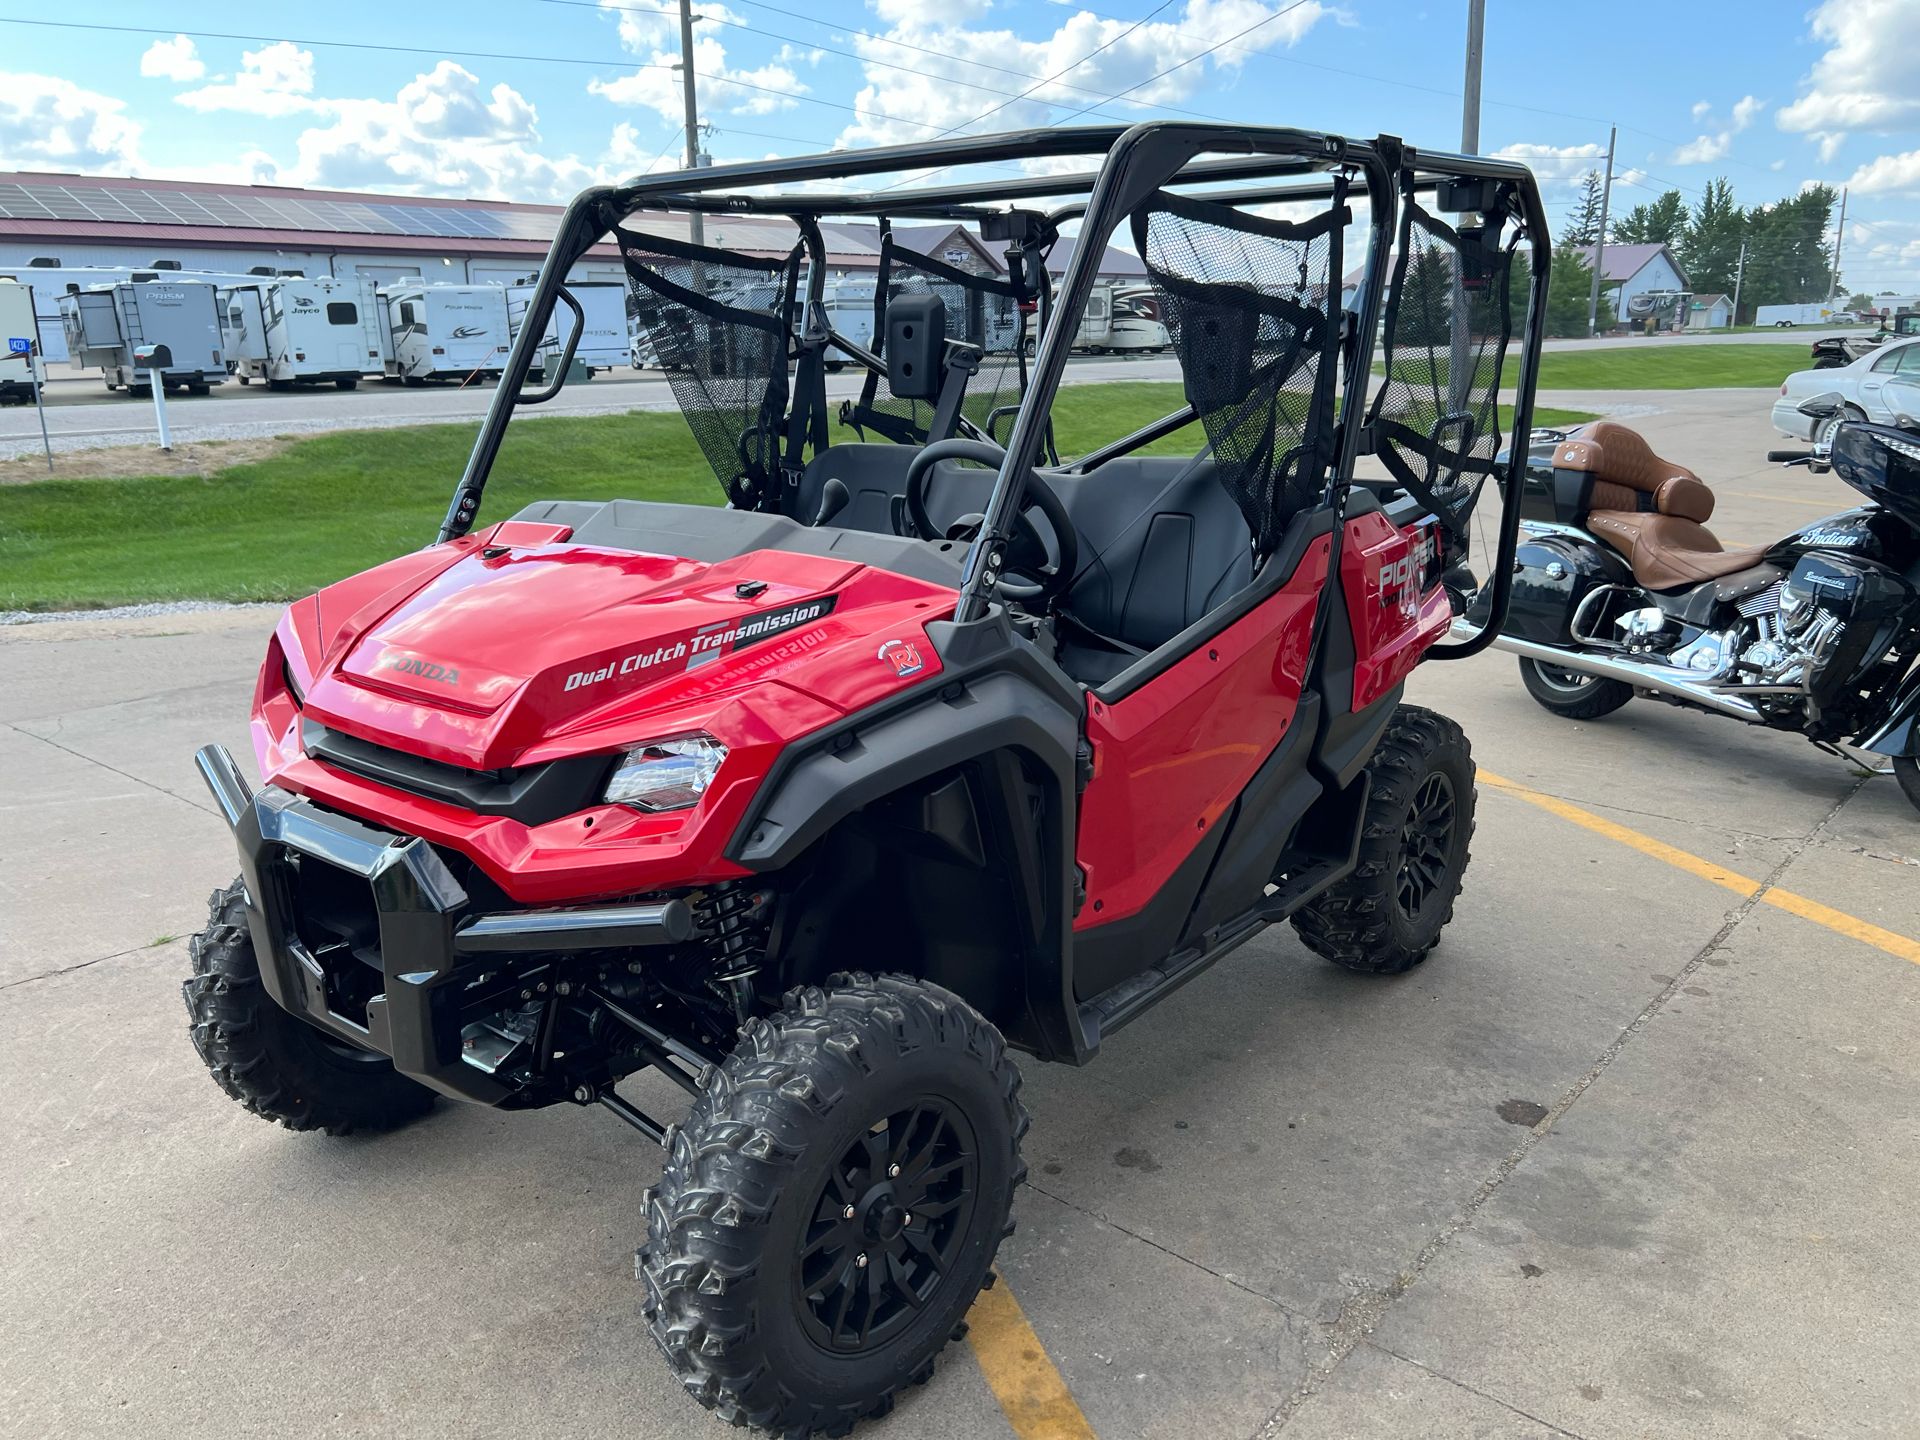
(736, 914)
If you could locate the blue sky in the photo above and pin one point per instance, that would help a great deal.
(531, 99)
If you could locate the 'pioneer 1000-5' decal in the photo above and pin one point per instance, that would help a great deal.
(694, 648)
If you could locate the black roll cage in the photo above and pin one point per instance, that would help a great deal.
(1137, 161)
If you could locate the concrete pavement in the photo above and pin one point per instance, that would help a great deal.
(1629, 1156)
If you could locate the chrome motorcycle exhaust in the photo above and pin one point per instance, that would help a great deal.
(1666, 679)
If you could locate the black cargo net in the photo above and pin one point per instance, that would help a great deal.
(982, 311)
(1435, 420)
(718, 323)
(1253, 307)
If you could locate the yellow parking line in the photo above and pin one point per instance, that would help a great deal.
(1837, 921)
(1023, 1379)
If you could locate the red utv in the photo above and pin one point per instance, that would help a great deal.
(931, 744)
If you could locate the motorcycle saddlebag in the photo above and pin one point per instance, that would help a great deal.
(1552, 574)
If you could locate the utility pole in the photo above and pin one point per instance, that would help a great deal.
(697, 226)
(1839, 239)
(1739, 274)
(1458, 380)
(1470, 91)
(1600, 240)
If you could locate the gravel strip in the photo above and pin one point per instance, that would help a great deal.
(120, 612)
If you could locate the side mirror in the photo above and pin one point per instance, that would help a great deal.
(915, 341)
(1823, 405)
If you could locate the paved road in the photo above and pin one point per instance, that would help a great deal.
(83, 414)
(1631, 1155)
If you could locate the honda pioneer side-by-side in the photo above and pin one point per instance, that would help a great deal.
(952, 734)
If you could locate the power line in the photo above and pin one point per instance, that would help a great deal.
(868, 59)
(599, 64)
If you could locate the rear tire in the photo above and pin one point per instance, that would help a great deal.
(1571, 694)
(886, 1097)
(1387, 916)
(1906, 769)
(348, 383)
(277, 1066)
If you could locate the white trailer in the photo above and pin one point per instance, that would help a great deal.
(604, 343)
(303, 332)
(447, 332)
(106, 324)
(1786, 316)
(1121, 319)
(18, 322)
(50, 282)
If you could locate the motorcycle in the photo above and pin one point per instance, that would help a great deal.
(1619, 589)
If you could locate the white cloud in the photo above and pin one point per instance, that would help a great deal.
(1703, 149)
(176, 59)
(1700, 109)
(275, 80)
(47, 123)
(442, 134)
(1866, 79)
(1889, 174)
(901, 106)
(656, 86)
(1552, 163)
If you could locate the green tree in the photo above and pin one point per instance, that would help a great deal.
(1569, 284)
(1710, 249)
(1658, 222)
(1583, 226)
(1860, 301)
(1789, 261)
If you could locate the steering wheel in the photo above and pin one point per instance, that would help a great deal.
(1026, 552)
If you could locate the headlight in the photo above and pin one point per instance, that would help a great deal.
(666, 774)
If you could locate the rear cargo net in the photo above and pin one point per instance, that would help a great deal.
(718, 323)
(982, 311)
(1435, 420)
(1253, 307)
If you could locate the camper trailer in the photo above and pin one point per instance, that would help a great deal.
(303, 332)
(50, 282)
(1121, 319)
(18, 322)
(447, 332)
(604, 343)
(106, 324)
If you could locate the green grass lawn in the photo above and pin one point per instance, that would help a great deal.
(1655, 366)
(329, 506)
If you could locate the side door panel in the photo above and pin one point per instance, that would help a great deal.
(1171, 758)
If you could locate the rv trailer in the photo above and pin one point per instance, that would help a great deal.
(447, 332)
(604, 343)
(104, 326)
(1121, 318)
(303, 332)
(50, 282)
(18, 322)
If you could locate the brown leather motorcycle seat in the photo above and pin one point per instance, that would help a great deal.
(1651, 510)
(1669, 551)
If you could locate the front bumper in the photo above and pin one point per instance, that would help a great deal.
(433, 953)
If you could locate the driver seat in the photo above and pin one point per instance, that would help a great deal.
(1652, 511)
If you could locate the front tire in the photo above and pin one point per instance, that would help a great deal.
(832, 1204)
(1571, 694)
(1906, 769)
(1386, 917)
(279, 1067)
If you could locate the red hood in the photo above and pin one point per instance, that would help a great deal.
(501, 655)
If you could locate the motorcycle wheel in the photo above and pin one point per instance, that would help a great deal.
(1906, 769)
(1571, 694)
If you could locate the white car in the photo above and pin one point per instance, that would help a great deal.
(1879, 386)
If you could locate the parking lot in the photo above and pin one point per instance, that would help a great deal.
(1631, 1155)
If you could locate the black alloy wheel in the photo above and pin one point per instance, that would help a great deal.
(887, 1226)
(1426, 847)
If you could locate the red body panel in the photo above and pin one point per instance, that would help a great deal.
(1394, 602)
(1172, 756)
(489, 655)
